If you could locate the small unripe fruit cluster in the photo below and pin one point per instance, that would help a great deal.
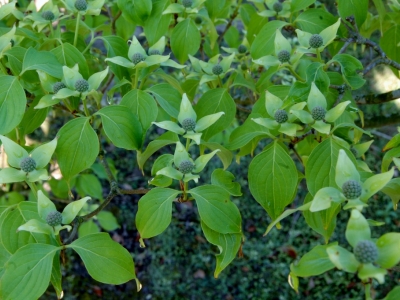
(58, 86)
(351, 189)
(198, 20)
(281, 116)
(154, 52)
(242, 49)
(318, 113)
(217, 70)
(28, 164)
(81, 5)
(54, 218)
(243, 66)
(316, 41)
(81, 85)
(187, 3)
(48, 15)
(188, 124)
(284, 56)
(186, 166)
(277, 7)
(137, 58)
(354, 151)
(366, 252)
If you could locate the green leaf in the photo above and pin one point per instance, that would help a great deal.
(244, 134)
(28, 272)
(392, 189)
(216, 210)
(314, 20)
(69, 56)
(343, 259)
(89, 185)
(388, 249)
(56, 277)
(43, 61)
(143, 8)
(12, 219)
(228, 245)
(116, 46)
(142, 105)
(215, 101)
(185, 40)
(315, 262)
(225, 180)
(273, 179)
(356, 8)
(323, 222)
(357, 229)
(375, 183)
(121, 126)
(107, 220)
(154, 212)
(298, 5)
(349, 66)
(393, 294)
(12, 103)
(321, 165)
(224, 154)
(157, 24)
(77, 147)
(167, 97)
(263, 44)
(163, 140)
(105, 260)
(89, 227)
(214, 7)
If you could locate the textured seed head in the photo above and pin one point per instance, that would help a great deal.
(198, 20)
(242, 49)
(58, 86)
(48, 15)
(316, 41)
(281, 116)
(366, 252)
(186, 166)
(318, 113)
(137, 58)
(81, 85)
(284, 56)
(154, 52)
(81, 5)
(351, 189)
(188, 124)
(277, 7)
(28, 164)
(54, 218)
(187, 3)
(243, 66)
(217, 70)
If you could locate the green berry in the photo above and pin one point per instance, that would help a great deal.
(281, 116)
(137, 58)
(243, 66)
(277, 7)
(58, 86)
(351, 189)
(189, 124)
(154, 52)
(316, 41)
(217, 70)
(81, 5)
(186, 166)
(366, 252)
(54, 218)
(198, 20)
(318, 113)
(28, 164)
(187, 3)
(81, 85)
(242, 49)
(48, 15)
(284, 56)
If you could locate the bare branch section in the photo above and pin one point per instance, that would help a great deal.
(378, 98)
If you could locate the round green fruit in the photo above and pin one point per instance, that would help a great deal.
(28, 164)
(366, 252)
(81, 85)
(54, 218)
(281, 116)
(318, 113)
(351, 189)
(316, 41)
(186, 166)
